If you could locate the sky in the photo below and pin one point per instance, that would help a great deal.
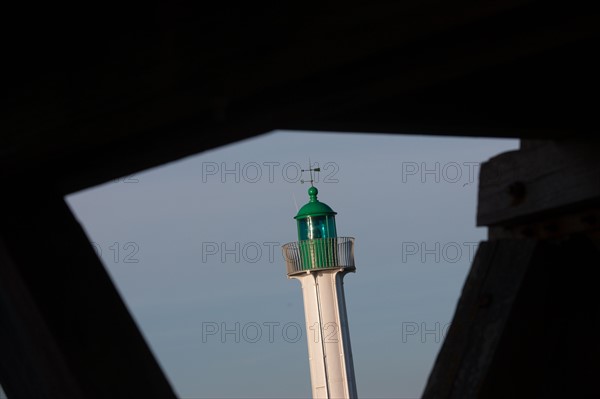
(193, 247)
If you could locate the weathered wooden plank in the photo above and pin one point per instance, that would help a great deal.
(482, 311)
(525, 325)
(549, 346)
(536, 182)
(581, 220)
(64, 330)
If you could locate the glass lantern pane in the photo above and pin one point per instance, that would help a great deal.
(316, 227)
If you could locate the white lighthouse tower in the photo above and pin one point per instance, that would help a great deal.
(320, 260)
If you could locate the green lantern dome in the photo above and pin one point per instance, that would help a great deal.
(315, 219)
(314, 207)
(317, 234)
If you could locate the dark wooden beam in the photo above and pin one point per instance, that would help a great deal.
(539, 181)
(549, 346)
(166, 82)
(64, 330)
(525, 324)
(31, 362)
(481, 315)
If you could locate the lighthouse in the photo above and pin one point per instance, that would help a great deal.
(320, 260)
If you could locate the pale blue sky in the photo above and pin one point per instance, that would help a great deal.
(414, 238)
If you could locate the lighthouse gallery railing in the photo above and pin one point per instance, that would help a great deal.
(320, 253)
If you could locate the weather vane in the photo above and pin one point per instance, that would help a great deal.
(310, 170)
